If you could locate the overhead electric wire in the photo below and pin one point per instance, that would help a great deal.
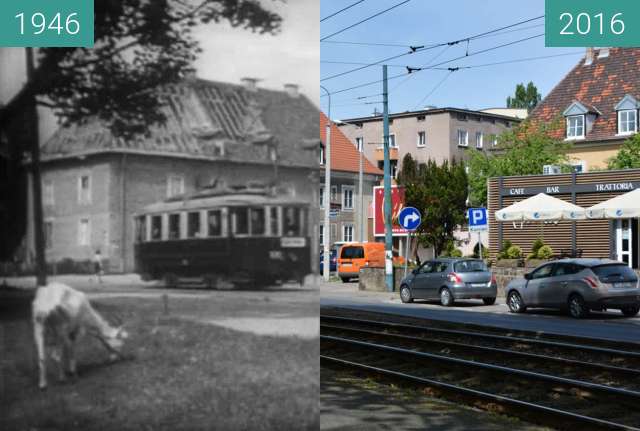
(341, 42)
(424, 48)
(434, 89)
(341, 10)
(365, 20)
(518, 60)
(439, 64)
(411, 75)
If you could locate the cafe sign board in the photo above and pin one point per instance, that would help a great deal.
(625, 186)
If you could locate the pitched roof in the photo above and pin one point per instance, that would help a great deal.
(344, 154)
(599, 86)
(209, 120)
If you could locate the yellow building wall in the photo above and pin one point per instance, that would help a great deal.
(595, 157)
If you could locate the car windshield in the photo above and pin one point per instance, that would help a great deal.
(614, 272)
(352, 253)
(470, 266)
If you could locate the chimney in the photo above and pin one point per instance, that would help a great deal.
(250, 84)
(292, 90)
(589, 56)
(190, 75)
(603, 53)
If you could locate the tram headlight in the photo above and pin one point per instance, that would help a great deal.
(276, 255)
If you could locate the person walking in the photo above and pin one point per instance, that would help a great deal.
(97, 266)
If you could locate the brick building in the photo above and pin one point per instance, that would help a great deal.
(349, 216)
(93, 183)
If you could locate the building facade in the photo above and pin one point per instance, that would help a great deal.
(615, 239)
(349, 210)
(215, 133)
(595, 106)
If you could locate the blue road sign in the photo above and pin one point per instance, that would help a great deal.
(409, 218)
(477, 218)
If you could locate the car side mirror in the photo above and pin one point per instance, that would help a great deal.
(527, 276)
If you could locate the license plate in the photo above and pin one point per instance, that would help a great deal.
(346, 264)
(627, 285)
(478, 284)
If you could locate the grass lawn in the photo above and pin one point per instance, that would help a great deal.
(177, 375)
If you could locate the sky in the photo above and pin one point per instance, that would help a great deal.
(229, 54)
(428, 22)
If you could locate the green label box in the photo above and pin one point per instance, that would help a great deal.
(46, 23)
(610, 23)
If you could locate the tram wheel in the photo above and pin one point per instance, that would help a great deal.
(170, 280)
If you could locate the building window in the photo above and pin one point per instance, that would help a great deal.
(321, 197)
(347, 197)
(334, 193)
(495, 140)
(47, 195)
(479, 140)
(627, 122)
(193, 225)
(175, 185)
(393, 167)
(579, 166)
(575, 126)
(321, 232)
(347, 233)
(174, 226)
(322, 154)
(392, 141)
(360, 144)
(420, 117)
(48, 234)
(84, 232)
(422, 139)
(84, 189)
(463, 138)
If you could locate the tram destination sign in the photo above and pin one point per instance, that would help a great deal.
(624, 186)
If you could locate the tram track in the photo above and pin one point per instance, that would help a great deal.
(596, 395)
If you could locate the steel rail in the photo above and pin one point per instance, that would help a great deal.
(492, 367)
(581, 347)
(587, 420)
(527, 355)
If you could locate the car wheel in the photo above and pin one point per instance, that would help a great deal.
(405, 294)
(345, 279)
(446, 298)
(515, 303)
(630, 310)
(577, 307)
(489, 301)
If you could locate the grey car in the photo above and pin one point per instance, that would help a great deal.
(448, 279)
(577, 285)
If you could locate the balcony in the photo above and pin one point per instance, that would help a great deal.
(393, 154)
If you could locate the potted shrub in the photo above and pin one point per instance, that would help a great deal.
(540, 253)
(509, 256)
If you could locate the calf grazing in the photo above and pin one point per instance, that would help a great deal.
(61, 315)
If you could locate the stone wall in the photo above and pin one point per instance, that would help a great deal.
(373, 279)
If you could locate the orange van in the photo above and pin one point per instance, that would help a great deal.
(355, 255)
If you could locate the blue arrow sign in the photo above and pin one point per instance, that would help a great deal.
(409, 218)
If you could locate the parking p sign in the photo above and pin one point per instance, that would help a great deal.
(477, 219)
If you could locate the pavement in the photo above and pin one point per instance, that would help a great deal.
(610, 325)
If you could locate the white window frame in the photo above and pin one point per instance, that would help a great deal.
(321, 233)
(333, 196)
(495, 140)
(178, 177)
(321, 155)
(321, 200)
(635, 121)
(84, 238)
(581, 163)
(393, 167)
(461, 133)
(82, 198)
(422, 139)
(48, 197)
(360, 144)
(479, 140)
(345, 237)
(575, 129)
(346, 189)
(393, 142)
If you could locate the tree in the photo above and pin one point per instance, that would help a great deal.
(439, 192)
(521, 151)
(628, 156)
(526, 98)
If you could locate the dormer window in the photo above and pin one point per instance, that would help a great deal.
(575, 126)
(322, 160)
(627, 110)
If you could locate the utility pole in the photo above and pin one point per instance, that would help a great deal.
(38, 219)
(326, 233)
(388, 234)
(360, 196)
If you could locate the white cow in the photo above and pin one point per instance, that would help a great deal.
(61, 315)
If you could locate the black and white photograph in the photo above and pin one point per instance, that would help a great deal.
(159, 232)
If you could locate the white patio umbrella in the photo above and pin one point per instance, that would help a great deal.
(623, 206)
(541, 207)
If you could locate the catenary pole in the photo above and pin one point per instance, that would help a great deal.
(360, 196)
(388, 234)
(326, 232)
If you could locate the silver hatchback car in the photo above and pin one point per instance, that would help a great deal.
(577, 285)
(448, 279)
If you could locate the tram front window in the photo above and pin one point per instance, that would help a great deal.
(275, 222)
(141, 228)
(156, 228)
(174, 226)
(257, 221)
(214, 219)
(241, 225)
(193, 225)
(292, 221)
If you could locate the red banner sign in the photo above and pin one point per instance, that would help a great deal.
(397, 203)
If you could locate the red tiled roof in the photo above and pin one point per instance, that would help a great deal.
(599, 86)
(211, 120)
(344, 154)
